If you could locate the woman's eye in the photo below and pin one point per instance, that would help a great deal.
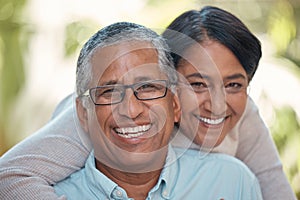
(234, 87)
(198, 86)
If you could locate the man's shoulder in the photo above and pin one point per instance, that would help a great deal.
(196, 155)
(216, 162)
(72, 185)
(205, 175)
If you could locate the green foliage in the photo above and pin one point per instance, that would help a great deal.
(12, 45)
(285, 126)
(76, 34)
(286, 134)
(282, 25)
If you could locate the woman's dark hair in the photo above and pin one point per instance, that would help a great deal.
(212, 23)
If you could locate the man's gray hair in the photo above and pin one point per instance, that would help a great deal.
(115, 34)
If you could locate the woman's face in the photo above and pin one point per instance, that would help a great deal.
(213, 92)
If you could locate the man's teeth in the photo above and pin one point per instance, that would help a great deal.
(211, 121)
(131, 132)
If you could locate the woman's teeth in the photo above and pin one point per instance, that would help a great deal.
(132, 132)
(211, 121)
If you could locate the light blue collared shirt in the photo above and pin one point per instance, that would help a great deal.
(187, 175)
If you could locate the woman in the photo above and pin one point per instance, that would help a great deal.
(219, 95)
(218, 57)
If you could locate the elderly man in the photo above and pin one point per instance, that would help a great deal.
(126, 104)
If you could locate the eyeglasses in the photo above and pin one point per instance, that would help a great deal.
(113, 94)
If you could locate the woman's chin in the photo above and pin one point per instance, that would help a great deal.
(208, 141)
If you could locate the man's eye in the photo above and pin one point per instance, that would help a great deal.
(146, 86)
(149, 87)
(104, 92)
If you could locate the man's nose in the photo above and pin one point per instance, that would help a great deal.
(130, 107)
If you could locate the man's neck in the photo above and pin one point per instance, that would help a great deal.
(137, 185)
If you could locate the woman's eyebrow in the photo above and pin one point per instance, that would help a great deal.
(236, 76)
(198, 75)
(230, 77)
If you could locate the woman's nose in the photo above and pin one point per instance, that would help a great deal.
(216, 102)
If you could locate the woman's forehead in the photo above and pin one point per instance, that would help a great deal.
(210, 59)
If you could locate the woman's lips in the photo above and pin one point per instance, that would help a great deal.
(211, 122)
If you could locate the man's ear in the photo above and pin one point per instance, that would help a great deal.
(82, 115)
(177, 108)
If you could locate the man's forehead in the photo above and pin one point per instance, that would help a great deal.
(112, 52)
(125, 60)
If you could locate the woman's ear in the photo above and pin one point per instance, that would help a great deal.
(82, 114)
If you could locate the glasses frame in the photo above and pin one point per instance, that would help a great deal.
(132, 87)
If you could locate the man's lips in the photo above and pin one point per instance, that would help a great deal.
(132, 132)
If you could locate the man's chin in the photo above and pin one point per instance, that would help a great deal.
(133, 162)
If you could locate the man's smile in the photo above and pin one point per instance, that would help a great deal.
(132, 132)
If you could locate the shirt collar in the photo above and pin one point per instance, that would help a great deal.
(99, 183)
(168, 176)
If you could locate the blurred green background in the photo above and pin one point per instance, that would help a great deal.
(40, 40)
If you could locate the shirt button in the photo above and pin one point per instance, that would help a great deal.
(165, 193)
(118, 193)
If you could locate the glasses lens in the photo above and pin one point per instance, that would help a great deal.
(112, 94)
(107, 94)
(150, 90)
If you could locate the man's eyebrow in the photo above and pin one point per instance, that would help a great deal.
(143, 78)
(111, 82)
(115, 82)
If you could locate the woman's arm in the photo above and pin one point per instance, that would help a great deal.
(258, 151)
(61, 147)
(48, 156)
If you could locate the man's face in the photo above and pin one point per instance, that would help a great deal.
(130, 134)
